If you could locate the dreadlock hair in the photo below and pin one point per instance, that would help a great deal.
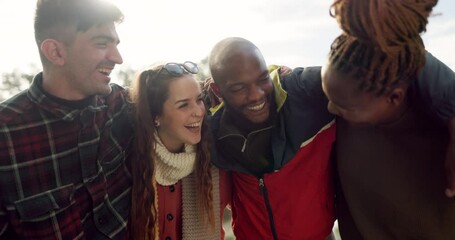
(380, 44)
(148, 94)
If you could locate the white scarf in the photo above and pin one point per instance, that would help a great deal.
(172, 167)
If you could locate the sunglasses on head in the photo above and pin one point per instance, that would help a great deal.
(178, 69)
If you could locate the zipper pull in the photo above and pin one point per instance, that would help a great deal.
(261, 183)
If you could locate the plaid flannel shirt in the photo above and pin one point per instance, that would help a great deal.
(63, 171)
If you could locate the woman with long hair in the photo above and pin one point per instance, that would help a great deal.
(177, 193)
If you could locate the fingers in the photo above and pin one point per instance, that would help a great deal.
(285, 70)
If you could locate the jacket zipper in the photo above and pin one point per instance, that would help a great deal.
(269, 208)
(245, 139)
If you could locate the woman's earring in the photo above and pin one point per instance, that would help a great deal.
(157, 123)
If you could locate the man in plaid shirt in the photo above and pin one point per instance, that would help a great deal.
(64, 142)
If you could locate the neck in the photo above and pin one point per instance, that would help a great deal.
(58, 85)
(172, 147)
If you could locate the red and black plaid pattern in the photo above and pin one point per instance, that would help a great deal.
(63, 171)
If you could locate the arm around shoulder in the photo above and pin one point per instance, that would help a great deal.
(435, 88)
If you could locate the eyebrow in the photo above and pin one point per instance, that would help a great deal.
(181, 101)
(106, 37)
(187, 99)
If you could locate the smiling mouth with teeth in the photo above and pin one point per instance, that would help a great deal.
(256, 107)
(194, 125)
(105, 71)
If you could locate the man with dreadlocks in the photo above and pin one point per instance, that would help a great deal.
(390, 167)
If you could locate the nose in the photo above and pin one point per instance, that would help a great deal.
(256, 93)
(199, 110)
(115, 56)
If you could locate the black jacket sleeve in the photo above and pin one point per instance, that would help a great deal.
(434, 89)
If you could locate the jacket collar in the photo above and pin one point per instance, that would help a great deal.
(37, 96)
(280, 93)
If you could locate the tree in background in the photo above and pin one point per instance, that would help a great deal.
(14, 82)
(125, 76)
(204, 71)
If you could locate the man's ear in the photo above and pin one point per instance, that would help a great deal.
(54, 51)
(397, 96)
(215, 89)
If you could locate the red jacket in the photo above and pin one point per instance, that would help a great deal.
(170, 215)
(300, 195)
(296, 200)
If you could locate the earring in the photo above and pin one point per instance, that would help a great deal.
(157, 123)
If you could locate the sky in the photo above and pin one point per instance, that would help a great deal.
(289, 32)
